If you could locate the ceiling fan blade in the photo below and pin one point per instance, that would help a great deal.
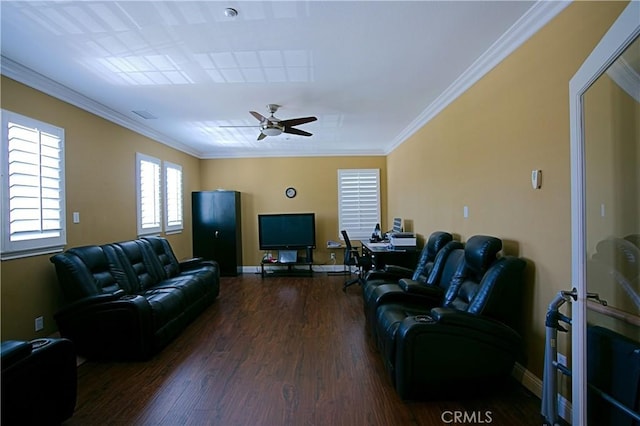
(237, 126)
(295, 131)
(258, 116)
(297, 121)
(261, 136)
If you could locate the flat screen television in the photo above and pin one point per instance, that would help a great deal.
(287, 231)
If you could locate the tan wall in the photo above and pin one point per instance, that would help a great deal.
(100, 185)
(480, 152)
(262, 182)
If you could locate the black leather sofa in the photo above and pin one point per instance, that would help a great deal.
(127, 300)
(39, 381)
(469, 340)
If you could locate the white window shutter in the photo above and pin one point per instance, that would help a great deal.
(173, 197)
(358, 201)
(148, 194)
(33, 190)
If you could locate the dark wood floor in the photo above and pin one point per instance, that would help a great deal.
(274, 351)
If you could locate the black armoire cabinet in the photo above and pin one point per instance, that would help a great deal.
(217, 231)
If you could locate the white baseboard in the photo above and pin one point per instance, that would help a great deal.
(534, 385)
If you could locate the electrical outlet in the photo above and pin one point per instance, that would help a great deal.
(333, 256)
(39, 323)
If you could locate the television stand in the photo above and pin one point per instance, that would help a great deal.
(288, 269)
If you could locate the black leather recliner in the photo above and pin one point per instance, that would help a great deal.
(392, 273)
(39, 381)
(424, 291)
(462, 265)
(468, 342)
(127, 300)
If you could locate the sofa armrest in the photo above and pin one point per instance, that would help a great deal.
(391, 273)
(92, 300)
(13, 351)
(474, 323)
(107, 326)
(394, 293)
(418, 288)
(190, 263)
(448, 351)
(398, 270)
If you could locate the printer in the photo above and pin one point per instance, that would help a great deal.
(402, 240)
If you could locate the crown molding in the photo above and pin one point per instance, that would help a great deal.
(626, 77)
(531, 22)
(274, 153)
(35, 80)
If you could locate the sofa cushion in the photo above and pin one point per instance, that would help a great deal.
(147, 273)
(95, 259)
(166, 305)
(480, 253)
(193, 287)
(163, 252)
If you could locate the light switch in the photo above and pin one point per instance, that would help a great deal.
(76, 217)
(465, 211)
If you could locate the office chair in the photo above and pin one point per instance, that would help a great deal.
(352, 257)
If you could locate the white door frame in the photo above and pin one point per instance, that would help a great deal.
(624, 30)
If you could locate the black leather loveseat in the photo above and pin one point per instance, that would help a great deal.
(127, 300)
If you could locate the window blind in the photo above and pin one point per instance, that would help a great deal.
(173, 197)
(33, 211)
(149, 207)
(358, 201)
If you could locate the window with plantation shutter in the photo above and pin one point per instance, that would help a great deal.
(148, 194)
(173, 197)
(358, 201)
(33, 191)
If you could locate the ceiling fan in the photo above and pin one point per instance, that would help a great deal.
(273, 126)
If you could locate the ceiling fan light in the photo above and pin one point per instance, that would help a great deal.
(271, 131)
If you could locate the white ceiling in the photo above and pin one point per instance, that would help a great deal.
(373, 72)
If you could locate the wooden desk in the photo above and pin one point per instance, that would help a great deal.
(382, 254)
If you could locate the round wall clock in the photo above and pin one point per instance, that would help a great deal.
(290, 192)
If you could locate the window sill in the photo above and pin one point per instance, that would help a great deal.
(30, 253)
